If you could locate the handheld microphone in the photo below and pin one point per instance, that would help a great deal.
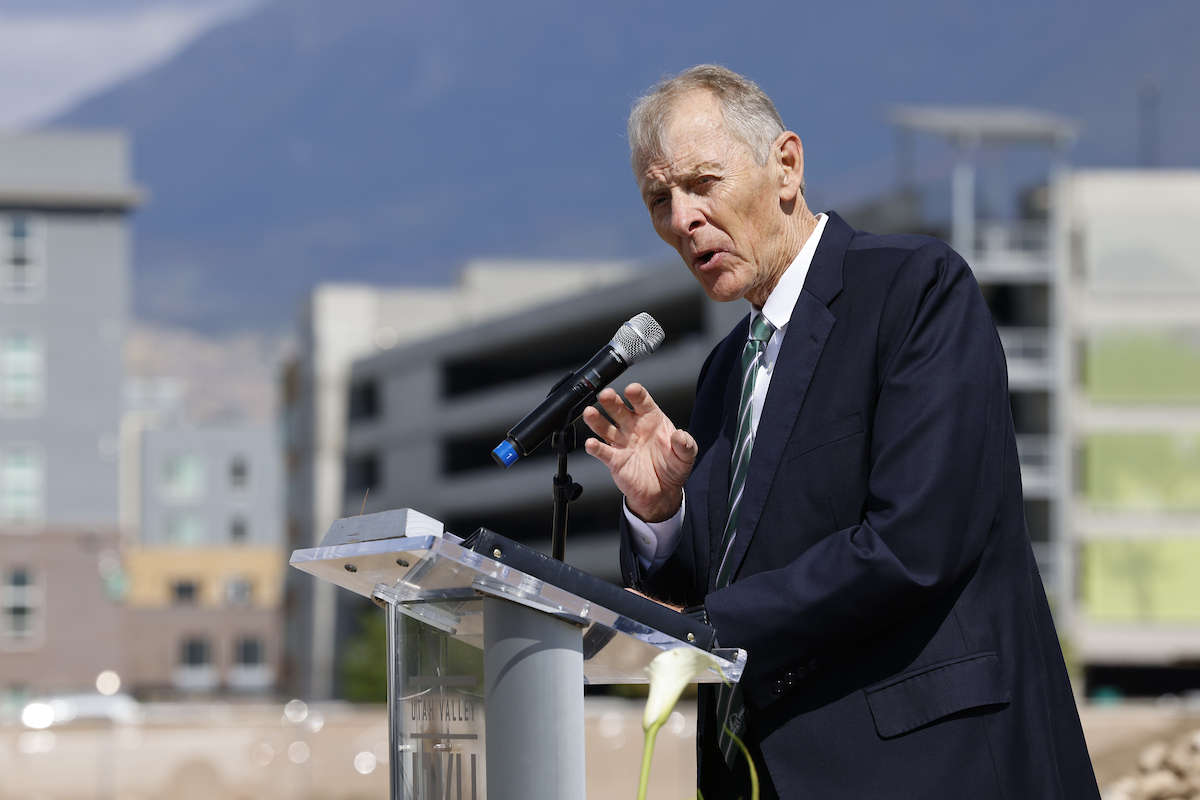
(633, 342)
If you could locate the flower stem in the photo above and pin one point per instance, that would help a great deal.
(749, 763)
(647, 754)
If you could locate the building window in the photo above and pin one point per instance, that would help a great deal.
(1135, 471)
(184, 528)
(195, 653)
(22, 479)
(364, 401)
(239, 592)
(183, 477)
(362, 473)
(13, 700)
(239, 531)
(250, 652)
(22, 267)
(22, 372)
(239, 475)
(21, 604)
(1142, 366)
(185, 593)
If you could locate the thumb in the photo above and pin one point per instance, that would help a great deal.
(683, 446)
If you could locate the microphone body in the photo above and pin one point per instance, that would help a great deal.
(635, 340)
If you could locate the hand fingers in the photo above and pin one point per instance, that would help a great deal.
(642, 402)
(599, 424)
(612, 404)
(599, 450)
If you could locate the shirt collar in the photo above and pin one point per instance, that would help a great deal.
(779, 305)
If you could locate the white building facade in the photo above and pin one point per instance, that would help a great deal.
(1132, 336)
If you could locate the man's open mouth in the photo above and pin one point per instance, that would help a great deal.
(705, 257)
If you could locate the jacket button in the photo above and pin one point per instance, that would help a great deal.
(778, 687)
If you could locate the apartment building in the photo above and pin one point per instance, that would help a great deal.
(1133, 342)
(205, 568)
(65, 199)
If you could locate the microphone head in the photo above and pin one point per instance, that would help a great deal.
(638, 338)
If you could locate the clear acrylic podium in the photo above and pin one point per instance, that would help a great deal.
(486, 663)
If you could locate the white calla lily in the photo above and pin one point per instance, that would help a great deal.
(670, 673)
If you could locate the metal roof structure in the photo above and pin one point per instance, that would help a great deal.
(988, 124)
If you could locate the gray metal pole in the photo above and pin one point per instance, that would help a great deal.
(533, 674)
(962, 206)
(395, 760)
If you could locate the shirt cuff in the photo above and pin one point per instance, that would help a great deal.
(654, 542)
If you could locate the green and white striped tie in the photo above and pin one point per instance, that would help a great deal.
(731, 709)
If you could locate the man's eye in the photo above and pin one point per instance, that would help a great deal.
(658, 202)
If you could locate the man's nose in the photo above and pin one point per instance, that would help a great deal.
(685, 214)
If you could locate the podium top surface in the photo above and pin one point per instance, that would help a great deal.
(431, 576)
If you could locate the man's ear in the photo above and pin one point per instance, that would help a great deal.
(788, 152)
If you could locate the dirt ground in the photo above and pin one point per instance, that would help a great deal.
(336, 752)
(1117, 735)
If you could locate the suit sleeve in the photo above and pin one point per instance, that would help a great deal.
(934, 484)
(672, 580)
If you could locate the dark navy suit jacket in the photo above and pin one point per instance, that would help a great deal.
(900, 644)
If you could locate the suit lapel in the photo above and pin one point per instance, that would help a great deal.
(807, 332)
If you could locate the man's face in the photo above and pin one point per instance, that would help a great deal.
(715, 205)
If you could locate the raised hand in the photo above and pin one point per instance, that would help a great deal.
(649, 458)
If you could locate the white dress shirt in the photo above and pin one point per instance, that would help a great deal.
(653, 542)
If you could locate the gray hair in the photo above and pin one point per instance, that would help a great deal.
(749, 115)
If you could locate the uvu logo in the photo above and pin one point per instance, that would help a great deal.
(442, 776)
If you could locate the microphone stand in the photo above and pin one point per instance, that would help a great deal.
(565, 490)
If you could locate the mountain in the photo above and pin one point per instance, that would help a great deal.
(390, 140)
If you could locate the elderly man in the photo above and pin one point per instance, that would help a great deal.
(846, 502)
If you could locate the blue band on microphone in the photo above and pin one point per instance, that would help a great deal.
(505, 454)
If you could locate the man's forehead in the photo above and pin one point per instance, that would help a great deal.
(694, 139)
(662, 172)
(694, 117)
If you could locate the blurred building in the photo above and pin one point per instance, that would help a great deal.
(1133, 361)
(439, 407)
(1095, 289)
(205, 566)
(1019, 261)
(64, 282)
(339, 324)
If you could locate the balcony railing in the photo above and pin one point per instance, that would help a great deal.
(1011, 236)
(192, 678)
(1035, 453)
(1016, 247)
(1026, 344)
(250, 677)
(1028, 352)
(1044, 555)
